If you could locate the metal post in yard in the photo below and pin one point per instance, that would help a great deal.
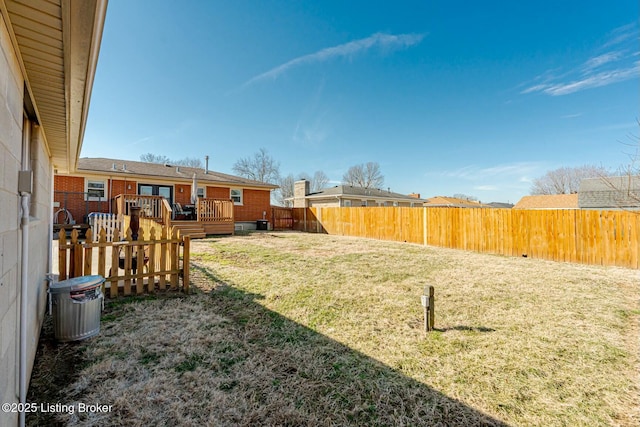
(428, 304)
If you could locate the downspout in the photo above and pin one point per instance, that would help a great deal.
(110, 197)
(25, 196)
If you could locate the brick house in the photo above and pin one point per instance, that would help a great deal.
(97, 181)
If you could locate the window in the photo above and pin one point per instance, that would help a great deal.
(395, 204)
(200, 191)
(145, 190)
(95, 190)
(236, 196)
(364, 204)
(346, 203)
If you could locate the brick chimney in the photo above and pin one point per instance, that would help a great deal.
(300, 190)
(414, 195)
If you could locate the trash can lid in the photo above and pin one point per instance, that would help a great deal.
(76, 284)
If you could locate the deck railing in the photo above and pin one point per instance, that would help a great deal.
(214, 210)
(152, 207)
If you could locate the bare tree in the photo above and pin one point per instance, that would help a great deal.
(465, 197)
(566, 180)
(285, 192)
(191, 162)
(627, 183)
(287, 183)
(365, 175)
(260, 167)
(156, 158)
(319, 181)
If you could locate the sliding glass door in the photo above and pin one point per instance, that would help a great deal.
(165, 191)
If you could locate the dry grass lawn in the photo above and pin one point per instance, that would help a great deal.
(315, 330)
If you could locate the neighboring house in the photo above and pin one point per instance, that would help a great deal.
(452, 202)
(610, 193)
(500, 205)
(100, 180)
(349, 196)
(48, 56)
(551, 201)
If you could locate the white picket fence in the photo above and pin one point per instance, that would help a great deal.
(108, 221)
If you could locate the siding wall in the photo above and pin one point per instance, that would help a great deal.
(11, 119)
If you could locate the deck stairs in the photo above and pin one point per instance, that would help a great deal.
(193, 229)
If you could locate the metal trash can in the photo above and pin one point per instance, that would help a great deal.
(76, 307)
(262, 224)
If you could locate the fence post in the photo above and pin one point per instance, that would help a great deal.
(424, 225)
(88, 254)
(139, 263)
(62, 255)
(76, 248)
(115, 265)
(318, 220)
(304, 214)
(185, 264)
(151, 283)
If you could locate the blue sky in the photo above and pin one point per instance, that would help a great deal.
(448, 97)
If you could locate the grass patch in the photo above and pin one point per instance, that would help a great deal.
(301, 329)
(190, 363)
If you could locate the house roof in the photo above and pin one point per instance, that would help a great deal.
(548, 201)
(57, 43)
(128, 168)
(443, 201)
(361, 193)
(500, 205)
(615, 192)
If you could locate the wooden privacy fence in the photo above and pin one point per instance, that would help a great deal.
(572, 235)
(281, 218)
(129, 266)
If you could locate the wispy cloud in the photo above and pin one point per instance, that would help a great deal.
(571, 116)
(504, 178)
(379, 40)
(312, 128)
(486, 187)
(474, 173)
(613, 62)
(621, 34)
(603, 78)
(600, 60)
(142, 140)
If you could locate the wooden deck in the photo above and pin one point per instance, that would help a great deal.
(212, 216)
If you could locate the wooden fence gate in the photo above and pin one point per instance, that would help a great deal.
(282, 218)
(129, 266)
